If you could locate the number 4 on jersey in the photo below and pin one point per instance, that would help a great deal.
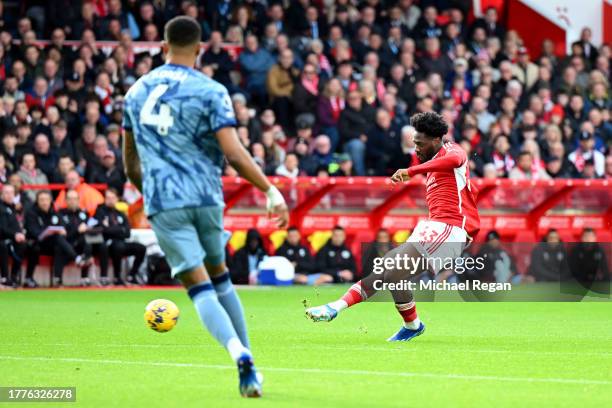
(163, 120)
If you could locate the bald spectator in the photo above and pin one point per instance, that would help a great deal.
(89, 197)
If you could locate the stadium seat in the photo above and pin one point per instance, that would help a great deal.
(237, 240)
(319, 238)
(277, 238)
(401, 236)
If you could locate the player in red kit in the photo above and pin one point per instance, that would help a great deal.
(453, 222)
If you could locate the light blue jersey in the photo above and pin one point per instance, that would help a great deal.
(174, 112)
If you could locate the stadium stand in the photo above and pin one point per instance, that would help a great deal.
(323, 92)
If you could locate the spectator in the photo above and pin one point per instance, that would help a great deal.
(525, 169)
(499, 266)
(4, 171)
(334, 261)
(45, 158)
(329, 107)
(434, 60)
(47, 234)
(245, 261)
(280, 85)
(382, 139)
(116, 230)
(218, 60)
(585, 152)
(404, 155)
(342, 166)
(61, 144)
(12, 238)
(290, 167)
(306, 91)
(354, 124)
(89, 197)
(31, 175)
(255, 62)
(299, 256)
(381, 245)
(549, 259)
(110, 173)
(75, 222)
(587, 260)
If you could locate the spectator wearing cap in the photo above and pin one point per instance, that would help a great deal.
(586, 152)
(280, 84)
(89, 197)
(110, 173)
(75, 87)
(354, 123)
(341, 166)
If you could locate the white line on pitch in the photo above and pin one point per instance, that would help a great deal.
(323, 371)
(328, 347)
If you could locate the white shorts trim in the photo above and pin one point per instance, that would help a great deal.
(434, 239)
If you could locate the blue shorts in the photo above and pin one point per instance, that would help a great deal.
(191, 236)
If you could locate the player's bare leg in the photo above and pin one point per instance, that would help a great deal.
(216, 319)
(365, 288)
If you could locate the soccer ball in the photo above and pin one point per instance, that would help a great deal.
(161, 315)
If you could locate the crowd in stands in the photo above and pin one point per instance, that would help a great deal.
(319, 88)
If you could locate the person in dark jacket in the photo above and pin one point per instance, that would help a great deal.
(354, 123)
(381, 245)
(218, 60)
(110, 173)
(334, 261)
(115, 228)
(76, 220)
(587, 260)
(306, 91)
(549, 259)
(12, 238)
(298, 255)
(246, 260)
(382, 141)
(47, 236)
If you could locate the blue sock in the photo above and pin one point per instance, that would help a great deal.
(215, 318)
(231, 303)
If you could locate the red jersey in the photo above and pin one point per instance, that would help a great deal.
(450, 196)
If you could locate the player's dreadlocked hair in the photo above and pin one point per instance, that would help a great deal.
(430, 124)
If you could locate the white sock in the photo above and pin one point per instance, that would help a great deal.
(338, 305)
(236, 349)
(413, 325)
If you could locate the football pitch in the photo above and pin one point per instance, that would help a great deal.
(472, 354)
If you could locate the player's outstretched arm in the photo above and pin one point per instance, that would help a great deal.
(240, 159)
(131, 161)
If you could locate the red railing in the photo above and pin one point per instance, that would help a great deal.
(518, 209)
(364, 204)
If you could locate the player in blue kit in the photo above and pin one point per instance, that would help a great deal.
(178, 126)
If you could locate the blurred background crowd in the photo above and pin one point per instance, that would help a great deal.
(320, 88)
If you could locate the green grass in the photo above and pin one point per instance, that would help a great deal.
(472, 354)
